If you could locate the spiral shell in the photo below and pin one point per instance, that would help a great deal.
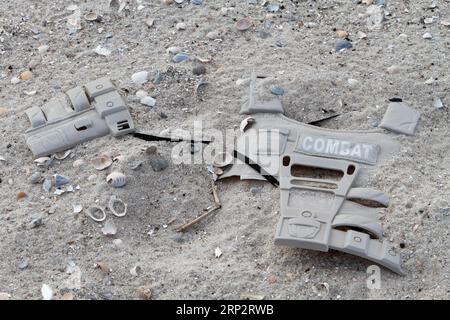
(116, 179)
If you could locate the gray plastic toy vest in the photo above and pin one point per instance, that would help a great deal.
(323, 204)
(79, 115)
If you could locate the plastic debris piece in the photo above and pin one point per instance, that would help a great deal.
(400, 118)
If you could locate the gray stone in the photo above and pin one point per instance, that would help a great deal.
(159, 164)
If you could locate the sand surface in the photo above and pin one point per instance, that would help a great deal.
(293, 48)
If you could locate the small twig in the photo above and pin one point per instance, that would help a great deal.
(216, 195)
(191, 223)
(204, 215)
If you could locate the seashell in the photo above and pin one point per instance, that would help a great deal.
(135, 271)
(223, 159)
(77, 208)
(78, 163)
(246, 122)
(43, 161)
(62, 155)
(173, 50)
(112, 204)
(149, 22)
(243, 24)
(91, 212)
(26, 75)
(116, 179)
(47, 185)
(91, 16)
(102, 162)
(109, 229)
(60, 180)
(148, 101)
(141, 94)
(180, 26)
(180, 57)
(47, 292)
(35, 178)
(140, 77)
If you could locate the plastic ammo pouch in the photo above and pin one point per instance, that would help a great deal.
(79, 115)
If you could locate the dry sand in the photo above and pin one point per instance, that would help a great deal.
(296, 52)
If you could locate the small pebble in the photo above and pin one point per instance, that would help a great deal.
(60, 180)
(199, 70)
(43, 49)
(342, 45)
(437, 103)
(352, 82)
(173, 50)
(255, 190)
(393, 69)
(197, 2)
(159, 164)
(140, 77)
(427, 35)
(22, 265)
(21, 195)
(35, 223)
(428, 20)
(47, 185)
(277, 90)
(148, 101)
(179, 57)
(180, 26)
(35, 178)
(213, 35)
(341, 34)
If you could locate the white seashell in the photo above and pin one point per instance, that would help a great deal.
(62, 155)
(47, 292)
(223, 159)
(42, 161)
(102, 162)
(112, 206)
(77, 208)
(91, 212)
(141, 94)
(135, 271)
(109, 229)
(140, 77)
(173, 50)
(78, 163)
(246, 122)
(116, 179)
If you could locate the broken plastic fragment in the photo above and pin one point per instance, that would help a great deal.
(400, 118)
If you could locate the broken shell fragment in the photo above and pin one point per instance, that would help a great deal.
(102, 162)
(60, 180)
(92, 212)
(43, 161)
(77, 208)
(243, 24)
(109, 229)
(223, 159)
(26, 75)
(246, 123)
(116, 179)
(135, 270)
(47, 292)
(78, 163)
(92, 16)
(113, 203)
(149, 22)
(62, 155)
